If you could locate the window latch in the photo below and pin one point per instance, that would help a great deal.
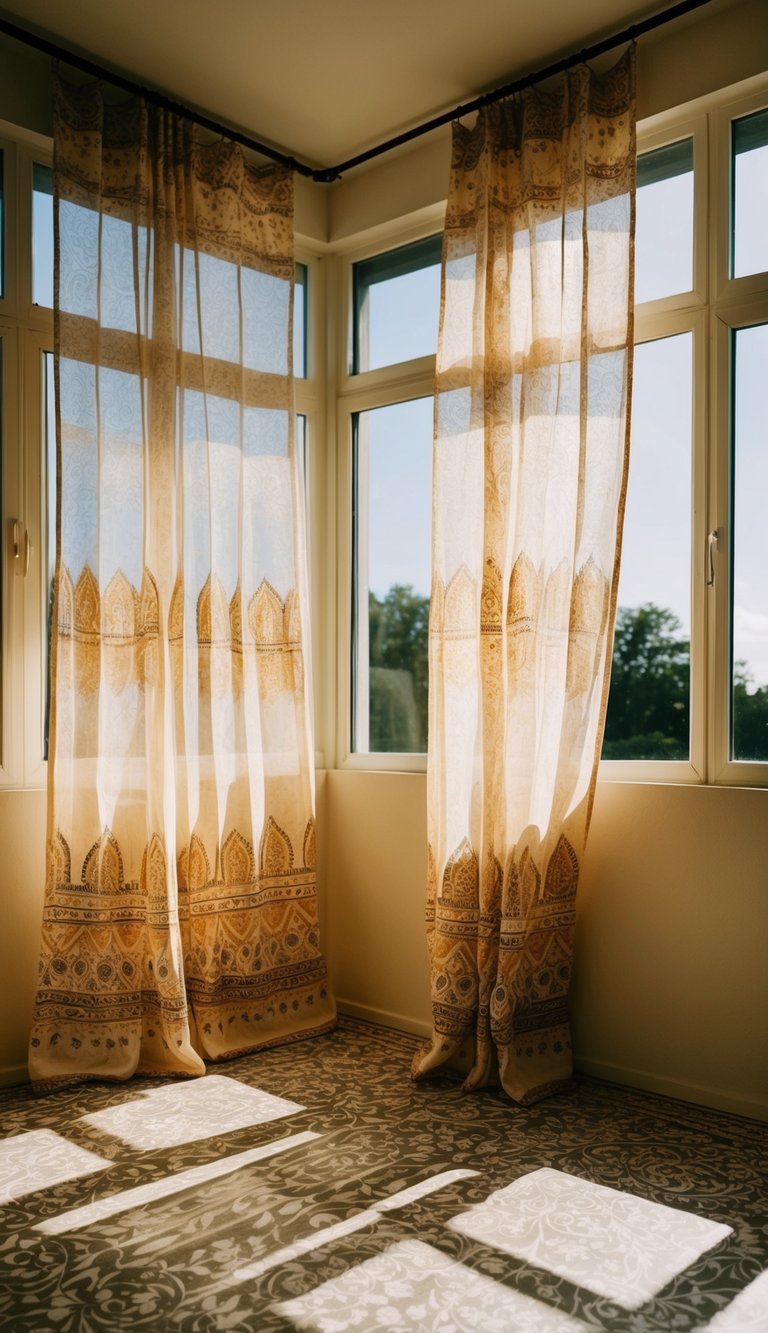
(711, 549)
(22, 562)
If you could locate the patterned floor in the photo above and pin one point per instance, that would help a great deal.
(315, 1187)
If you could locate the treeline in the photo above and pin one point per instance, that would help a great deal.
(649, 702)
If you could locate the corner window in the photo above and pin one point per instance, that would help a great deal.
(386, 431)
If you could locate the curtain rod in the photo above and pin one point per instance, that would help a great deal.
(325, 175)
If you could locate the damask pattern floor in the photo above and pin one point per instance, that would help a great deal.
(315, 1187)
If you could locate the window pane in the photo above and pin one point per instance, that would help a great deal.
(49, 519)
(750, 194)
(396, 305)
(664, 227)
(393, 505)
(300, 322)
(750, 548)
(649, 703)
(42, 235)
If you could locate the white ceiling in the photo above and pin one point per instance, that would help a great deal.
(325, 79)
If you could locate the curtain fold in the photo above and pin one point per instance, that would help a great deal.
(530, 466)
(180, 920)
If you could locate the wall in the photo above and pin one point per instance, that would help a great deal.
(671, 984)
(22, 838)
(671, 976)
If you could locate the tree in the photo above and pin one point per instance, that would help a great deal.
(750, 716)
(648, 706)
(397, 630)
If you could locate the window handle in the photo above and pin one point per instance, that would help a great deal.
(21, 568)
(711, 548)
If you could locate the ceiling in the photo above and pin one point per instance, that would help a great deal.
(326, 79)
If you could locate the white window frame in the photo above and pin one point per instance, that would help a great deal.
(685, 312)
(27, 333)
(310, 402)
(737, 303)
(716, 305)
(355, 393)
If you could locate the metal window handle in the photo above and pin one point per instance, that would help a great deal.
(711, 548)
(22, 569)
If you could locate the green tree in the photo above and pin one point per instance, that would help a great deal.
(397, 630)
(648, 706)
(750, 716)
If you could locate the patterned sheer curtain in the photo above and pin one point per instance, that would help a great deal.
(530, 465)
(180, 919)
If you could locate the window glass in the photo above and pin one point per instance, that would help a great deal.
(42, 235)
(649, 704)
(664, 226)
(749, 142)
(300, 322)
(749, 628)
(396, 305)
(393, 485)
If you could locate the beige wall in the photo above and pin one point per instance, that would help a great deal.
(22, 844)
(671, 981)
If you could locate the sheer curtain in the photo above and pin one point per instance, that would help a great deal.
(180, 918)
(533, 386)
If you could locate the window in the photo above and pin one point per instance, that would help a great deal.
(28, 443)
(26, 344)
(690, 668)
(386, 424)
(653, 721)
(396, 299)
(689, 692)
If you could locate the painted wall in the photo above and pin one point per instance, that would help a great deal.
(670, 988)
(671, 980)
(22, 840)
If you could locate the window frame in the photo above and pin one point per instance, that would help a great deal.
(736, 303)
(27, 332)
(360, 392)
(714, 305)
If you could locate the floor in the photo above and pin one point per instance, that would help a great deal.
(315, 1187)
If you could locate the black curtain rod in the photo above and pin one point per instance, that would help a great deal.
(324, 175)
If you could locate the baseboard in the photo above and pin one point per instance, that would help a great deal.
(12, 1075)
(400, 1022)
(715, 1098)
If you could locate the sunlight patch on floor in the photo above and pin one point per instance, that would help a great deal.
(39, 1159)
(155, 1190)
(611, 1243)
(183, 1112)
(326, 1236)
(747, 1312)
(413, 1286)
